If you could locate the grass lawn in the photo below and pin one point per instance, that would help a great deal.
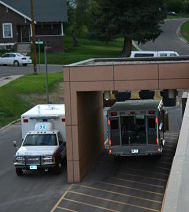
(13, 101)
(86, 49)
(185, 30)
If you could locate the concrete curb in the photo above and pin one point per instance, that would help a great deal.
(178, 32)
(8, 79)
(55, 65)
(136, 46)
(177, 191)
(8, 125)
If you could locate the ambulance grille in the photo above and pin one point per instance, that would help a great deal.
(33, 160)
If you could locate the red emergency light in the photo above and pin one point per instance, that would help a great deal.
(110, 142)
(151, 112)
(157, 142)
(113, 113)
(63, 120)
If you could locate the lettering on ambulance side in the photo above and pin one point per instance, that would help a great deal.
(42, 127)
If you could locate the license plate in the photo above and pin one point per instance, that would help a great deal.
(33, 167)
(134, 151)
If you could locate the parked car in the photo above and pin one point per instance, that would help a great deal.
(172, 13)
(135, 54)
(15, 59)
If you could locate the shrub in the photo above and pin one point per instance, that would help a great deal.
(186, 6)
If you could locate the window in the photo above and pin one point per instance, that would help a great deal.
(163, 55)
(40, 140)
(5, 55)
(8, 55)
(60, 139)
(12, 55)
(151, 123)
(144, 55)
(7, 30)
(114, 124)
(173, 55)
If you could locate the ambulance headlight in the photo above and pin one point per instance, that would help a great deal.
(47, 159)
(20, 159)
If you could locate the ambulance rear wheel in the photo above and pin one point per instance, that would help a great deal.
(19, 172)
(116, 157)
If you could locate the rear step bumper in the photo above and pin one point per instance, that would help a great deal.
(136, 150)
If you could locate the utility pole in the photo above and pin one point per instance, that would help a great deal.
(47, 84)
(33, 39)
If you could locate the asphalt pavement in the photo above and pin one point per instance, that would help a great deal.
(40, 191)
(21, 70)
(32, 192)
(135, 184)
(169, 39)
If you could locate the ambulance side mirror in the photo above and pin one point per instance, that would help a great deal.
(165, 121)
(14, 144)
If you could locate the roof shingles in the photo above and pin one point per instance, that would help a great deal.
(44, 10)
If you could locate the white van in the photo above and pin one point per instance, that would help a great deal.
(137, 54)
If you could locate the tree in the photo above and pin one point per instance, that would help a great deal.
(78, 12)
(138, 20)
(175, 5)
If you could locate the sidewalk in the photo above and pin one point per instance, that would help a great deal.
(6, 80)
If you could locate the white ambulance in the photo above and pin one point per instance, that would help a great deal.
(43, 139)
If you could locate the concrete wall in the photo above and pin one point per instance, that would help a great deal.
(177, 192)
(83, 99)
(86, 139)
(90, 129)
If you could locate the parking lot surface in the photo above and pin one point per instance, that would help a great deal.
(127, 184)
(37, 191)
(131, 184)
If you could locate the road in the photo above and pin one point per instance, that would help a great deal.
(11, 70)
(34, 192)
(128, 184)
(169, 39)
(41, 191)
